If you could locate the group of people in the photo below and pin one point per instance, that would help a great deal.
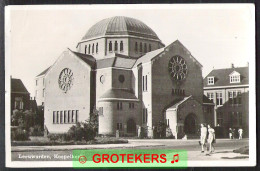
(207, 135)
(233, 131)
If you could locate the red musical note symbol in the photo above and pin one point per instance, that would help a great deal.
(175, 160)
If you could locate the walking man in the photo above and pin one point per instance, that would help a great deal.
(230, 133)
(240, 133)
(203, 137)
(211, 139)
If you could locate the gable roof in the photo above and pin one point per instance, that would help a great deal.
(17, 86)
(90, 60)
(119, 61)
(221, 77)
(174, 106)
(150, 55)
(44, 72)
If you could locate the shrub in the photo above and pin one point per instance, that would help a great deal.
(36, 131)
(76, 132)
(19, 134)
(54, 137)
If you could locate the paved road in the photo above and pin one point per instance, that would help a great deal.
(224, 148)
(193, 145)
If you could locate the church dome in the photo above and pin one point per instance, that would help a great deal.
(120, 25)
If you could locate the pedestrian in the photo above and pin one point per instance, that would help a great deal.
(139, 131)
(203, 137)
(211, 139)
(230, 133)
(240, 133)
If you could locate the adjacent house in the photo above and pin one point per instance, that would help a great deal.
(228, 88)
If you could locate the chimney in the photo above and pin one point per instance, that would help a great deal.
(232, 65)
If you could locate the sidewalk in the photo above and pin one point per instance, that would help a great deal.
(80, 147)
(217, 155)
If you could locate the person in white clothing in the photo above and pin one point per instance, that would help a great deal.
(203, 137)
(240, 133)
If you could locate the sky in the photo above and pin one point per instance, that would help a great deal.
(216, 35)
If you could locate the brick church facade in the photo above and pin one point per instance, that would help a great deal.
(122, 69)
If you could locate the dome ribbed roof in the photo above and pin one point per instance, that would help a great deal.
(120, 25)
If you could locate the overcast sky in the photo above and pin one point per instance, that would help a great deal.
(215, 35)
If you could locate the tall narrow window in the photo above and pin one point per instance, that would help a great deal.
(54, 117)
(57, 117)
(145, 115)
(110, 46)
(21, 105)
(93, 46)
(36, 82)
(234, 97)
(61, 116)
(210, 96)
(69, 116)
(141, 47)
(136, 47)
(116, 45)
(219, 98)
(121, 46)
(89, 49)
(119, 126)
(145, 83)
(65, 116)
(131, 105)
(145, 48)
(77, 116)
(86, 48)
(150, 47)
(97, 48)
(43, 92)
(73, 116)
(119, 106)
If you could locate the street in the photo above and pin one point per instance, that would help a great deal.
(223, 149)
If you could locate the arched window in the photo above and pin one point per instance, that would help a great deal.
(93, 48)
(121, 46)
(97, 48)
(150, 47)
(136, 47)
(110, 46)
(141, 47)
(145, 48)
(88, 49)
(115, 45)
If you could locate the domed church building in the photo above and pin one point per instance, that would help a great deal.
(122, 69)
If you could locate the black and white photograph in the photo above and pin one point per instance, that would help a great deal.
(84, 77)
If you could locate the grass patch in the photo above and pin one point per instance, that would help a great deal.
(44, 141)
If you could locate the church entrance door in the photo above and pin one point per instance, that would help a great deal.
(131, 126)
(190, 124)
